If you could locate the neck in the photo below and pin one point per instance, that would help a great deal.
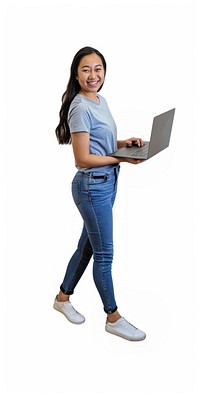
(91, 96)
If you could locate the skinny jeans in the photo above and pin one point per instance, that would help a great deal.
(94, 195)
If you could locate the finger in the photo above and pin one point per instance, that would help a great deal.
(140, 142)
(136, 161)
(140, 161)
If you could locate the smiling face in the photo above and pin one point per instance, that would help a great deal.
(90, 75)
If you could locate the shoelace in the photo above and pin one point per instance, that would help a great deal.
(126, 323)
(71, 309)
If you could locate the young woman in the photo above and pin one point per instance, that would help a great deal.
(86, 122)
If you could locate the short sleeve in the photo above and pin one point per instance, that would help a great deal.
(79, 119)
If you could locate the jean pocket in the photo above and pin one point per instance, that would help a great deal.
(76, 192)
(98, 179)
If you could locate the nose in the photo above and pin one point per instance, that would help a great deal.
(92, 74)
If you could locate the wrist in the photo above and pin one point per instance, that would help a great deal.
(121, 159)
(121, 144)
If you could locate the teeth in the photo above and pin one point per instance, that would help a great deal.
(92, 83)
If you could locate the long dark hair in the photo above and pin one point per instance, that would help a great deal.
(73, 88)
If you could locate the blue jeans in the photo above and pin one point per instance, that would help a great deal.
(94, 195)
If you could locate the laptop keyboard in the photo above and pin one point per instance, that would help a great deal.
(141, 151)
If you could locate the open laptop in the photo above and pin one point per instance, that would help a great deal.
(159, 140)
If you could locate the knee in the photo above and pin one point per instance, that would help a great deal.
(104, 257)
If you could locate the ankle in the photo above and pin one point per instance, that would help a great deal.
(62, 297)
(113, 317)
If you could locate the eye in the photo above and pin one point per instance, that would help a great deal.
(86, 70)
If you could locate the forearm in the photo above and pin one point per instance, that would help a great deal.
(93, 160)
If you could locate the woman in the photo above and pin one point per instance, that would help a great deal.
(86, 122)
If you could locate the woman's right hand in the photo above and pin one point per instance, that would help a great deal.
(131, 160)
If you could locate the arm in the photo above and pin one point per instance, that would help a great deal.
(83, 158)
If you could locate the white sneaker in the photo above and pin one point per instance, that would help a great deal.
(66, 308)
(125, 330)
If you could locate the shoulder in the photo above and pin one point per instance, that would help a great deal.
(78, 102)
(78, 106)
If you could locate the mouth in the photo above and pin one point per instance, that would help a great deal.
(93, 83)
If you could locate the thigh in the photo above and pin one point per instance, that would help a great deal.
(84, 244)
(96, 209)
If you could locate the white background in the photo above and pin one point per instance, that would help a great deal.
(150, 51)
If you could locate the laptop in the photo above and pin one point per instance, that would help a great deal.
(159, 140)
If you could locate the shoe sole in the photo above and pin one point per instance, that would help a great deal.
(124, 337)
(73, 322)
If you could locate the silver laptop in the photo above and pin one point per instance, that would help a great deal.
(159, 140)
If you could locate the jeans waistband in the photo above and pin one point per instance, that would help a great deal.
(101, 174)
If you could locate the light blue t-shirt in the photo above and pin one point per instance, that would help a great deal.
(95, 118)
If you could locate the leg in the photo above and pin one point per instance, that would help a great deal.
(96, 209)
(102, 242)
(76, 266)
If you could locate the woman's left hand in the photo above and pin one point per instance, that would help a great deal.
(129, 142)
